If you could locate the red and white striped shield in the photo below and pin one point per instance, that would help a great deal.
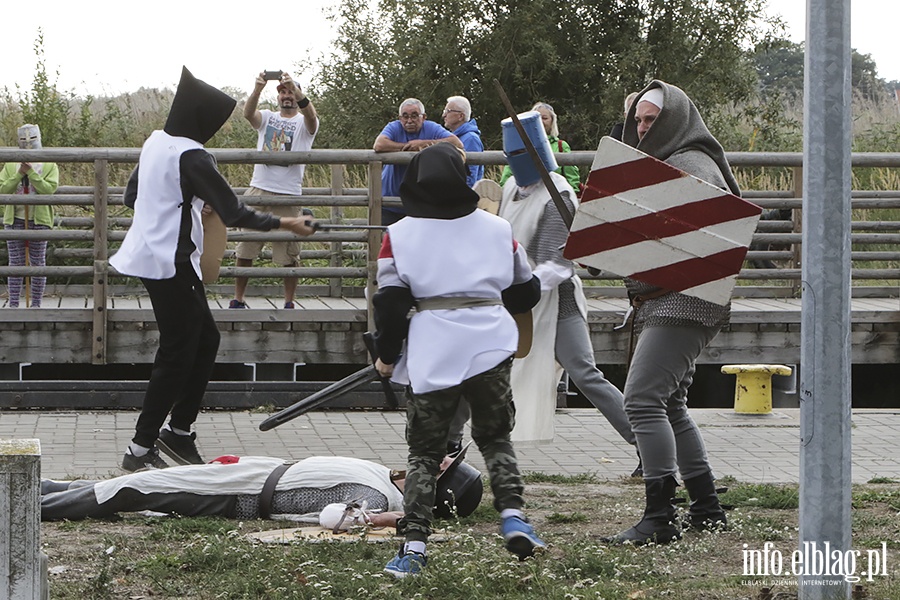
(644, 219)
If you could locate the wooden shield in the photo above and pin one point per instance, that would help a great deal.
(526, 331)
(489, 194)
(215, 236)
(644, 219)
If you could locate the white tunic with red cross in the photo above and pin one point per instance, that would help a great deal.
(473, 256)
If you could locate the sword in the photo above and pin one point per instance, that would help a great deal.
(334, 227)
(336, 389)
(385, 381)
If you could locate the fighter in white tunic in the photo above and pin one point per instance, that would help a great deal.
(465, 273)
(174, 178)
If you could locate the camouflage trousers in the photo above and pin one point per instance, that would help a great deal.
(428, 418)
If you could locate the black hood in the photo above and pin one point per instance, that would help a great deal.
(434, 186)
(198, 109)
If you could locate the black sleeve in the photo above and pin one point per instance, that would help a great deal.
(201, 178)
(130, 195)
(392, 306)
(522, 297)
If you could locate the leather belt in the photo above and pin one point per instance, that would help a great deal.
(637, 301)
(268, 490)
(454, 302)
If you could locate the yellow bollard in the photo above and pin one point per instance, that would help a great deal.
(753, 388)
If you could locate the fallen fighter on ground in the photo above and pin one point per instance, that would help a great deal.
(257, 487)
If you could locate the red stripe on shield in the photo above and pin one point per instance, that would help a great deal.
(695, 271)
(653, 226)
(609, 181)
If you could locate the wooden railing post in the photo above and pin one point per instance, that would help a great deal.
(336, 258)
(374, 235)
(23, 574)
(797, 220)
(101, 265)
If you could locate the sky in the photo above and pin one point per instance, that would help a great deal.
(103, 47)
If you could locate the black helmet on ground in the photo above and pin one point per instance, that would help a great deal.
(458, 489)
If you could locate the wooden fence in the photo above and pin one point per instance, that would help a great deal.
(342, 264)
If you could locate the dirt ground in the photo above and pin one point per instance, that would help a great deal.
(571, 516)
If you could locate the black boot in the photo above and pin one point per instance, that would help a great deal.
(705, 513)
(658, 524)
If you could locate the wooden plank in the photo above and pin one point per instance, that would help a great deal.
(875, 304)
(124, 303)
(72, 302)
(337, 303)
(784, 304)
(47, 316)
(312, 304)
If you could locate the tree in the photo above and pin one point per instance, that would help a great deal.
(43, 105)
(780, 64)
(581, 56)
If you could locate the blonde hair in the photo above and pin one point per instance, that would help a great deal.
(554, 126)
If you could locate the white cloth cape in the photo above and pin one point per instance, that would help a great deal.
(535, 377)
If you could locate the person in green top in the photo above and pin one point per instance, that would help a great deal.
(548, 118)
(28, 178)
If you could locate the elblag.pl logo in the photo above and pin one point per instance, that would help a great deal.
(811, 561)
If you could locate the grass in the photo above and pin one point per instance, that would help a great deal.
(212, 558)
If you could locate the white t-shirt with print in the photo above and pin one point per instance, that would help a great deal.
(278, 134)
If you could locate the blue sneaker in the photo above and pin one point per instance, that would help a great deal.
(409, 563)
(520, 537)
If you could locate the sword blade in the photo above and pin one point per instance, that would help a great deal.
(336, 389)
(335, 227)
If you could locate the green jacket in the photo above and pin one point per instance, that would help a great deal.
(570, 172)
(45, 182)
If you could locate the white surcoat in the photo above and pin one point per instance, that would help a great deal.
(249, 474)
(473, 256)
(152, 240)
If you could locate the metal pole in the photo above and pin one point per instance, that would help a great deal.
(825, 350)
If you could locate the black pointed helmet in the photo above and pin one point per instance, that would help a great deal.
(198, 110)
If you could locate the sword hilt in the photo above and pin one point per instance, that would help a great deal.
(369, 341)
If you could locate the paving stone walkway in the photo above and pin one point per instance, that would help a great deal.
(751, 448)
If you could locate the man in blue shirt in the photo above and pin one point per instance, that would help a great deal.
(458, 119)
(409, 133)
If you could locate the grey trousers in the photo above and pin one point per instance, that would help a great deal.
(661, 371)
(576, 355)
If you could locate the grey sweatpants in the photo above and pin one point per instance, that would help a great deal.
(661, 371)
(576, 355)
